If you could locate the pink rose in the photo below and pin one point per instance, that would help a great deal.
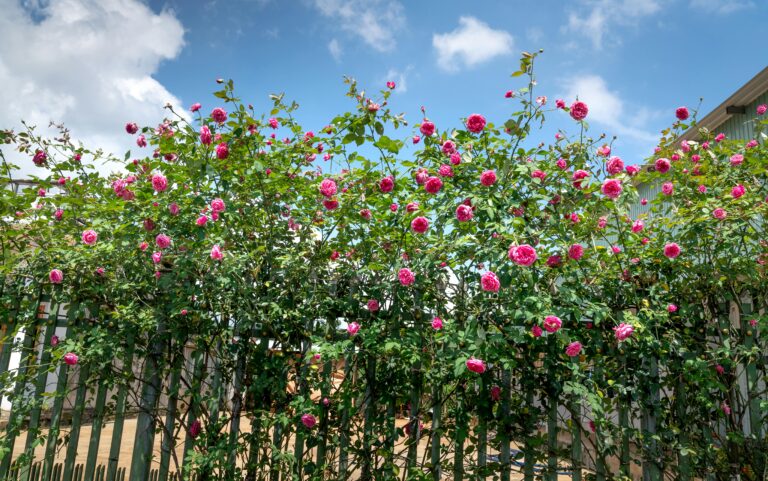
(536, 331)
(522, 255)
(623, 331)
(637, 226)
(420, 225)
(162, 241)
(738, 191)
(612, 188)
(157, 257)
(632, 170)
(561, 164)
(433, 185)
(365, 214)
(579, 110)
(202, 220)
(464, 213)
(216, 253)
(308, 420)
(737, 159)
(353, 328)
(39, 158)
(668, 188)
(331, 204)
(448, 147)
(682, 113)
(554, 261)
(70, 358)
(328, 187)
(205, 135)
(573, 349)
(219, 115)
(141, 141)
(273, 123)
(406, 276)
(445, 171)
(90, 237)
(490, 282)
(373, 305)
(552, 324)
(726, 408)
(391, 85)
(672, 250)
(578, 176)
(539, 174)
(437, 323)
(476, 365)
(411, 207)
(131, 128)
(663, 165)
(455, 158)
(143, 246)
(194, 429)
(387, 184)
(58, 214)
(488, 178)
(195, 107)
(719, 214)
(159, 183)
(671, 308)
(218, 205)
(427, 128)
(475, 123)
(575, 252)
(56, 276)
(614, 166)
(222, 151)
(174, 208)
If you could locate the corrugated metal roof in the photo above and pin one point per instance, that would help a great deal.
(747, 94)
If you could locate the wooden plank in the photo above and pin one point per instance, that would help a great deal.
(150, 394)
(96, 426)
(43, 368)
(120, 405)
(169, 441)
(77, 417)
(27, 358)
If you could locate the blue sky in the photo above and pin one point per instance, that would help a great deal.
(96, 64)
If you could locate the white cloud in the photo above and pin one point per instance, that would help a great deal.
(596, 18)
(335, 48)
(472, 43)
(374, 21)
(607, 108)
(721, 6)
(86, 63)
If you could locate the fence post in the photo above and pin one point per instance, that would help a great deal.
(197, 380)
(253, 450)
(460, 433)
(28, 356)
(77, 419)
(42, 376)
(529, 452)
(145, 424)
(503, 424)
(552, 400)
(169, 429)
(651, 470)
(122, 393)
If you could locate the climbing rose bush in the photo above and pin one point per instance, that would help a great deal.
(475, 271)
